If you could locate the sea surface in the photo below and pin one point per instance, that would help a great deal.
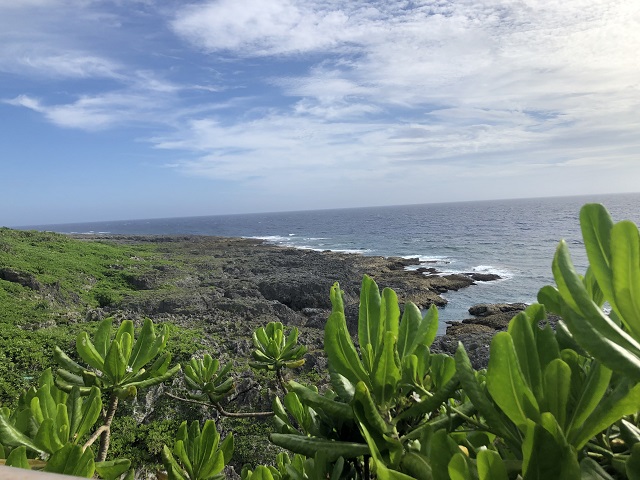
(514, 238)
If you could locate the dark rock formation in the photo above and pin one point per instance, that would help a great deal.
(21, 278)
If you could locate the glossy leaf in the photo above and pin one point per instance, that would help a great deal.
(506, 382)
(370, 328)
(557, 382)
(341, 352)
(491, 466)
(625, 268)
(596, 225)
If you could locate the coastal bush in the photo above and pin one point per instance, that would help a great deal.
(116, 366)
(48, 430)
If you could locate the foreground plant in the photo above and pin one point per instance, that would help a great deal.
(119, 366)
(196, 454)
(49, 431)
(382, 400)
(275, 351)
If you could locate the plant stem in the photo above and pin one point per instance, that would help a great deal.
(281, 380)
(221, 410)
(94, 437)
(106, 434)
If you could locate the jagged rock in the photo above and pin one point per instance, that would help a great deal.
(21, 278)
(476, 333)
(483, 277)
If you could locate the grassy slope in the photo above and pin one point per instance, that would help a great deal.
(71, 276)
(74, 276)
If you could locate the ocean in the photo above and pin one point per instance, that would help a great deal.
(514, 238)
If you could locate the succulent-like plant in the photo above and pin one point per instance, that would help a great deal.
(47, 428)
(207, 379)
(119, 366)
(273, 351)
(196, 454)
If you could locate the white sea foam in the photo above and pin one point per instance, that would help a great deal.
(272, 238)
(491, 269)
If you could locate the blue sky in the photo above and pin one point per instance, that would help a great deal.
(129, 109)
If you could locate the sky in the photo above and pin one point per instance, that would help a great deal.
(130, 109)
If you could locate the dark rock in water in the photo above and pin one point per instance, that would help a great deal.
(486, 309)
(483, 277)
(476, 333)
(427, 270)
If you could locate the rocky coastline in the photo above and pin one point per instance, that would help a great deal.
(233, 285)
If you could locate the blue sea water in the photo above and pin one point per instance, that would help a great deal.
(513, 238)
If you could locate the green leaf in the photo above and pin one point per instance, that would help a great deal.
(622, 401)
(632, 466)
(70, 460)
(88, 352)
(547, 346)
(596, 225)
(443, 448)
(389, 311)
(409, 325)
(112, 469)
(74, 409)
(341, 351)
(625, 266)
(417, 466)
(103, 336)
(46, 437)
(386, 374)
(576, 296)
(65, 362)
(491, 466)
(458, 468)
(546, 454)
(140, 353)
(336, 295)
(11, 437)
(557, 383)
(226, 447)
(18, 458)
(174, 470)
(90, 412)
(479, 398)
(506, 382)
(331, 408)
(427, 330)
(527, 352)
(430, 404)
(592, 471)
(366, 411)
(308, 446)
(261, 473)
(114, 363)
(593, 389)
(629, 433)
(149, 382)
(370, 328)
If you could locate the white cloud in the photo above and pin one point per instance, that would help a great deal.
(98, 112)
(257, 27)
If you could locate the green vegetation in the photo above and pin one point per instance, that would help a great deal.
(556, 401)
(47, 276)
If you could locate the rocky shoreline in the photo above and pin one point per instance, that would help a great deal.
(233, 285)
